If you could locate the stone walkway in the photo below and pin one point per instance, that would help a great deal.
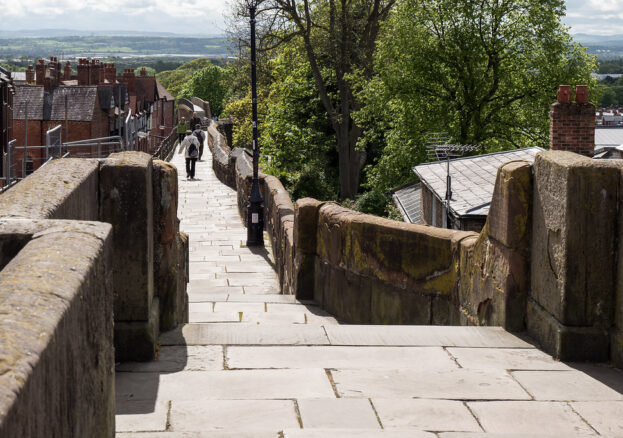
(253, 363)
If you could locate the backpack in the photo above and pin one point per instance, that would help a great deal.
(193, 152)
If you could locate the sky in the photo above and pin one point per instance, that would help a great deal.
(600, 17)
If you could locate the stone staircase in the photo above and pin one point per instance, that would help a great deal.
(255, 363)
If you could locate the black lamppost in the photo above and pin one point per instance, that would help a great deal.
(255, 218)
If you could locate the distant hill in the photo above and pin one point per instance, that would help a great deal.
(103, 45)
(604, 46)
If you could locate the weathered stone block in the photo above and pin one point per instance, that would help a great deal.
(304, 271)
(574, 219)
(564, 342)
(306, 225)
(166, 226)
(136, 341)
(444, 311)
(126, 202)
(511, 206)
(57, 360)
(184, 275)
(348, 296)
(62, 189)
(390, 305)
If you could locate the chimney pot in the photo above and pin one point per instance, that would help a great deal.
(572, 124)
(564, 94)
(581, 94)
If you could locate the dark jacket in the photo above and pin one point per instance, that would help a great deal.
(200, 135)
(194, 122)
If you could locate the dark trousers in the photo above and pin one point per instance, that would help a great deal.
(190, 166)
(180, 136)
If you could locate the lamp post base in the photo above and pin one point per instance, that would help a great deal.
(255, 224)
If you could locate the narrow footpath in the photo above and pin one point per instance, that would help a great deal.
(253, 363)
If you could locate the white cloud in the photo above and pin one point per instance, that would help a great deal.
(180, 16)
(599, 17)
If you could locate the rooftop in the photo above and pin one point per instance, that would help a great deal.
(408, 200)
(51, 105)
(473, 179)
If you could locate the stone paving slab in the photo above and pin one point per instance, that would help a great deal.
(357, 433)
(211, 434)
(339, 413)
(135, 416)
(340, 357)
(437, 415)
(234, 415)
(446, 336)
(224, 385)
(604, 417)
(505, 359)
(234, 334)
(180, 358)
(530, 418)
(565, 386)
(461, 384)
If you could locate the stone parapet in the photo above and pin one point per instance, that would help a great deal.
(56, 331)
(546, 260)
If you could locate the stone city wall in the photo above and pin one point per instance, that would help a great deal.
(63, 279)
(56, 331)
(546, 260)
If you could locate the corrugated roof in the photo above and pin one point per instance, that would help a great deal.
(473, 179)
(608, 137)
(408, 200)
(19, 76)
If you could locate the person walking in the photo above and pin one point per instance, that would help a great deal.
(182, 127)
(195, 122)
(201, 137)
(190, 147)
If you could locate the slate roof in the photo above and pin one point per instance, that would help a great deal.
(51, 106)
(34, 96)
(124, 94)
(408, 200)
(473, 179)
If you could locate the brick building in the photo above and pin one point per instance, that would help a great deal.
(6, 116)
(94, 103)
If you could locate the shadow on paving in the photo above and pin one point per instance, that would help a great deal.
(605, 373)
(137, 383)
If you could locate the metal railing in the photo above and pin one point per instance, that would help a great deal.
(18, 168)
(166, 145)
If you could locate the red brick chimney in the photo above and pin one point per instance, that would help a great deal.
(143, 72)
(40, 72)
(83, 72)
(67, 71)
(572, 124)
(110, 73)
(129, 79)
(30, 75)
(94, 72)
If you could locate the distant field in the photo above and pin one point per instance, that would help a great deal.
(111, 45)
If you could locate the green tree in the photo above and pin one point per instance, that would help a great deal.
(209, 85)
(336, 37)
(175, 80)
(483, 71)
